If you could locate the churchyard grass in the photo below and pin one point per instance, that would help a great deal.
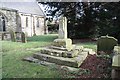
(13, 52)
(91, 45)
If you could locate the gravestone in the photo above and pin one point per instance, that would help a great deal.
(105, 44)
(5, 36)
(23, 37)
(115, 66)
(117, 49)
(13, 36)
(116, 63)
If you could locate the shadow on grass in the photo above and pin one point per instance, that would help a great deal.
(43, 38)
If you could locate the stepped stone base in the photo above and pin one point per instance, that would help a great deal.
(72, 62)
(61, 51)
(62, 56)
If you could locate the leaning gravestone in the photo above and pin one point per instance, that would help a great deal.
(105, 44)
(62, 52)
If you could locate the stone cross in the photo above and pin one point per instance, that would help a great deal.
(62, 28)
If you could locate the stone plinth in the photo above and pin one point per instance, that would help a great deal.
(65, 43)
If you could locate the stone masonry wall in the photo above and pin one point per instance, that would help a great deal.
(39, 30)
(33, 27)
(11, 22)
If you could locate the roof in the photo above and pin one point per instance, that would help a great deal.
(24, 6)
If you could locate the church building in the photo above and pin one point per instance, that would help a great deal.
(22, 16)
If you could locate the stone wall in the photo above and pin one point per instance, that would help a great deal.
(39, 29)
(11, 17)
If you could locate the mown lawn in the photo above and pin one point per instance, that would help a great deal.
(14, 52)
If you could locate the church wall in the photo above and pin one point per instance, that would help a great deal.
(29, 26)
(17, 22)
(39, 25)
(11, 16)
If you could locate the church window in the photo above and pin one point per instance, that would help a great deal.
(38, 23)
(26, 21)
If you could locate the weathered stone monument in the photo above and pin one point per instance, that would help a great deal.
(62, 40)
(63, 28)
(62, 52)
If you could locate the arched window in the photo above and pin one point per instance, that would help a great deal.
(2, 23)
(19, 21)
(26, 21)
